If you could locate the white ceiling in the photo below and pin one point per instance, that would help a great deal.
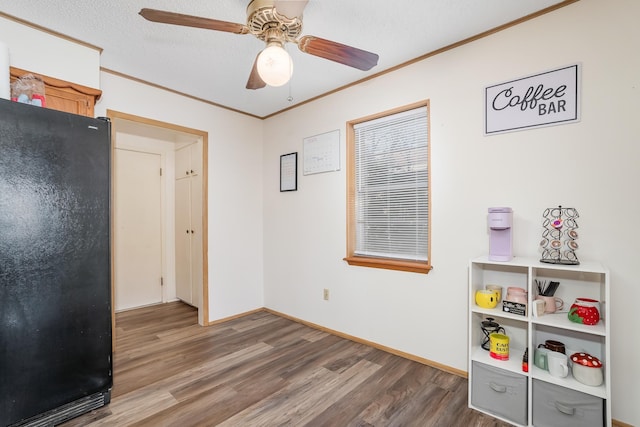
(214, 66)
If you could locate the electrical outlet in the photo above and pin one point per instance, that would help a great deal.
(325, 294)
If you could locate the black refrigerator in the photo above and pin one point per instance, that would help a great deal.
(55, 267)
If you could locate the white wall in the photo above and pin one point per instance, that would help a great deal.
(591, 165)
(39, 52)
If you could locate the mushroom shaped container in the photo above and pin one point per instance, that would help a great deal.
(587, 369)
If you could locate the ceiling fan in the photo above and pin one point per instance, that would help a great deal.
(276, 22)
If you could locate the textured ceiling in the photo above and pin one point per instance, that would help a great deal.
(214, 66)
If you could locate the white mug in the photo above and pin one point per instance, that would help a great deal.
(538, 307)
(558, 364)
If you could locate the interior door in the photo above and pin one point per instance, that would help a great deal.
(196, 240)
(183, 241)
(138, 229)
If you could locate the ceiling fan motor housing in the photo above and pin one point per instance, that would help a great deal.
(268, 25)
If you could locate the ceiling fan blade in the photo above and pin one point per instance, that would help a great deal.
(333, 51)
(255, 81)
(290, 8)
(164, 17)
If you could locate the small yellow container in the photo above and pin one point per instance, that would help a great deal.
(499, 346)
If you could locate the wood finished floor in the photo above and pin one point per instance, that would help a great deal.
(264, 370)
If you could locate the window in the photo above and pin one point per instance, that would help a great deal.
(388, 193)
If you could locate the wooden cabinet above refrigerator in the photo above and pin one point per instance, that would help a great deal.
(62, 95)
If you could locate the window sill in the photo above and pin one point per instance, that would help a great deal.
(390, 264)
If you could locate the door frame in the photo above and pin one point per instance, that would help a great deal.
(115, 116)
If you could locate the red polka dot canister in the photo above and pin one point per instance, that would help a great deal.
(587, 369)
(585, 311)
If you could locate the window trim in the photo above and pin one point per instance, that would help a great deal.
(379, 262)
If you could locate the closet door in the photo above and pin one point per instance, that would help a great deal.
(189, 224)
(196, 239)
(183, 240)
(138, 229)
(183, 162)
(188, 161)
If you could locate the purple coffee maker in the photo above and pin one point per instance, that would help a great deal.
(500, 238)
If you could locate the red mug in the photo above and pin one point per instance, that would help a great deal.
(585, 311)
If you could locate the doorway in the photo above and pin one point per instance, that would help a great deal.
(154, 137)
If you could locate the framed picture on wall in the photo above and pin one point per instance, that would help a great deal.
(289, 172)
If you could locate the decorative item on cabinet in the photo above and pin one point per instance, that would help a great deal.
(553, 345)
(499, 346)
(587, 369)
(537, 307)
(489, 327)
(517, 308)
(495, 288)
(540, 357)
(585, 311)
(516, 301)
(486, 298)
(28, 89)
(558, 364)
(559, 236)
(516, 294)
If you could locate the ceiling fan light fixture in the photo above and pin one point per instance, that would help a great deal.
(274, 65)
(275, 22)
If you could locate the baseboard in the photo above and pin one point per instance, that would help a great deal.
(235, 316)
(403, 354)
(616, 423)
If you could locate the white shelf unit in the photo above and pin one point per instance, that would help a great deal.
(589, 279)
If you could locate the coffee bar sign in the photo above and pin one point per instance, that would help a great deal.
(544, 99)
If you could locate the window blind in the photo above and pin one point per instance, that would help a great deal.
(391, 186)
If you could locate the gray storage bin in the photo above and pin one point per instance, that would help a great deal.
(499, 392)
(555, 406)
